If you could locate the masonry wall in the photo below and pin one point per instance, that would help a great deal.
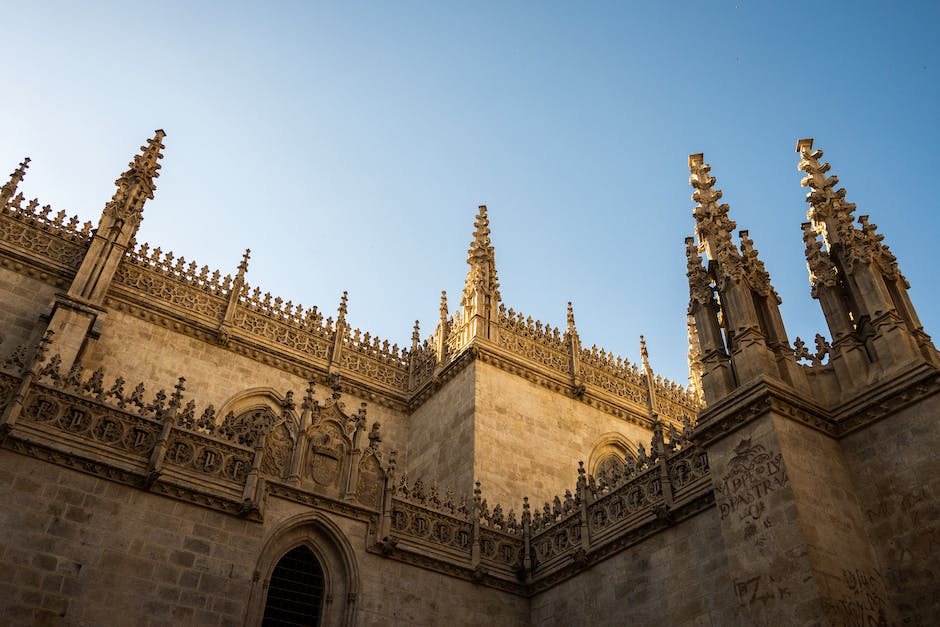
(441, 435)
(849, 585)
(528, 440)
(83, 550)
(23, 300)
(676, 577)
(896, 471)
(141, 351)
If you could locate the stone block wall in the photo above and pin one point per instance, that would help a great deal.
(23, 299)
(441, 435)
(528, 439)
(849, 586)
(676, 577)
(895, 468)
(81, 550)
(769, 561)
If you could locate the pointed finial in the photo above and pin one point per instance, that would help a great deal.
(570, 318)
(712, 224)
(651, 402)
(443, 308)
(481, 258)
(342, 306)
(9, 188)
(135, 186)
(416, 336)
(144, 166)
(243, 266)
(829, 211)
(481, 233)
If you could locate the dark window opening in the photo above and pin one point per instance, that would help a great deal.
(295, 594)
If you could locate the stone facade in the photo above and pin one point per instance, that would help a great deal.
(169, 434)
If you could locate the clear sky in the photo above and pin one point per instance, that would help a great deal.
(349, 144)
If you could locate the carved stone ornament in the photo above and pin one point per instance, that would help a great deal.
(821, 269)
(700, 287)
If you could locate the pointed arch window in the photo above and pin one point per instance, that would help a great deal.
(295, 593)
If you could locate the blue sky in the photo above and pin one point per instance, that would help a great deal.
(348, 145)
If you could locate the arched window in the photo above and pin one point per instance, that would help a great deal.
(307, 574)
(611, 454)
(295, 593)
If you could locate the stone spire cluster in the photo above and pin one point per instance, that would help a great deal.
(734, 307)
(739, 335)
(856, 279)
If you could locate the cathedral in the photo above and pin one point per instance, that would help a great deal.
(179, 448)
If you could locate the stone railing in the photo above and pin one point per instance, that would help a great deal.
(423, 363)
(227, 307)
(160, 441)
(373, 358)
(154, 274)
(56, 239)
(551, 347)
(601, 515)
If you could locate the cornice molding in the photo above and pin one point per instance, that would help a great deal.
(766, 395)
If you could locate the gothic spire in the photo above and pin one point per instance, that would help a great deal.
(243, 266)
(442, 333)
(480, 246)
(712, 224)
(830, 213)
(136, 185)
(9, 188)
(570, 319)
(481, 299)
(651, 404)
(341, 317)
(443, 307)
(481, 257)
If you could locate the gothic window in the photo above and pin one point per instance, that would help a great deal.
(612, 459)
(295, 594)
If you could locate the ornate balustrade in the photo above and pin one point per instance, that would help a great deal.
(33, 230)
(164, 444)
(600, 516)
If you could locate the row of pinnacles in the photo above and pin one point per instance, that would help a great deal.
(226, 309)
(740, 334)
